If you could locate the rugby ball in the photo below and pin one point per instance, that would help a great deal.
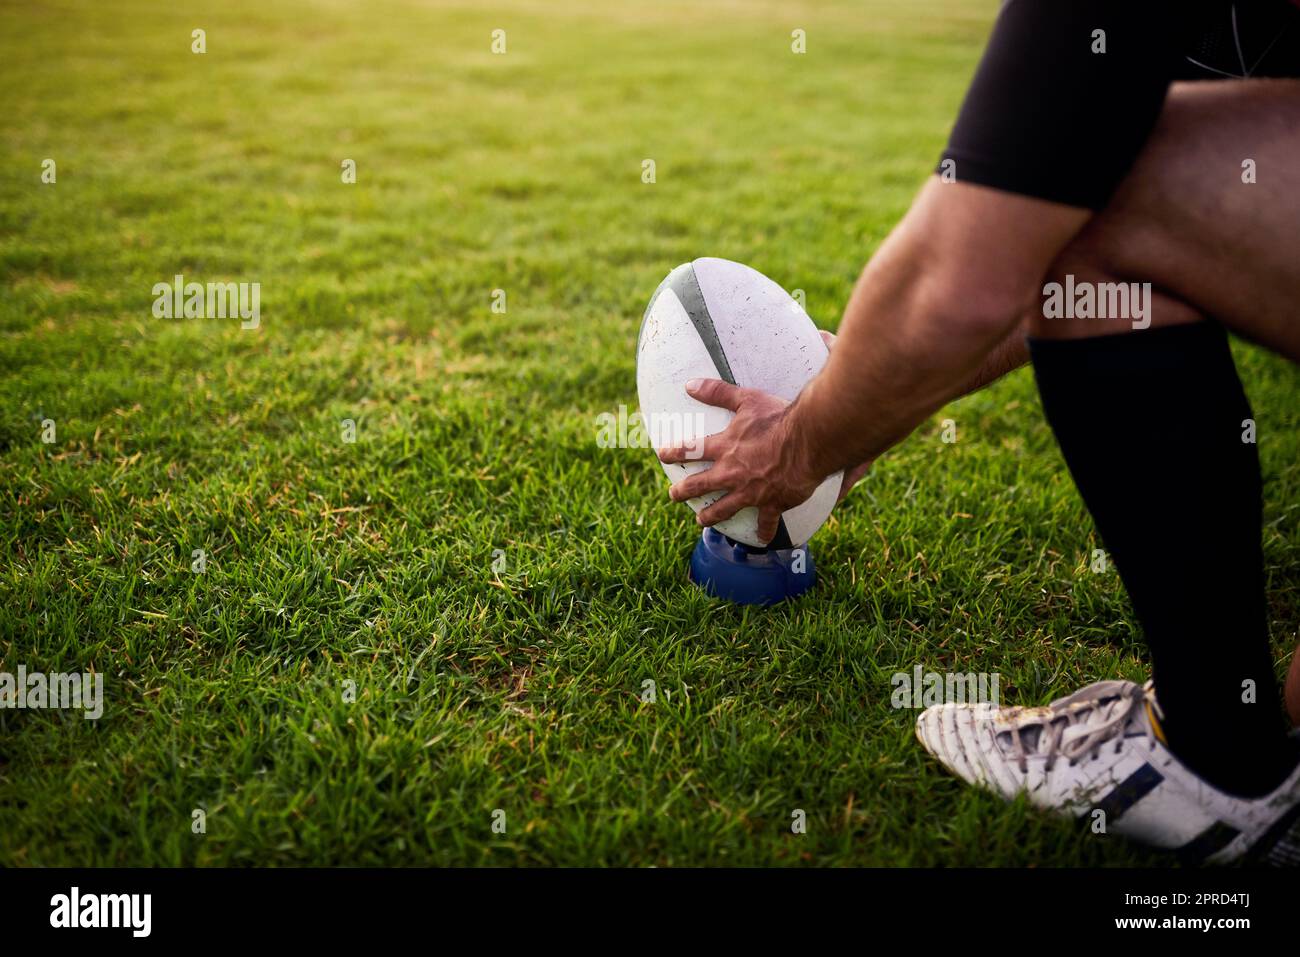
(717, 319)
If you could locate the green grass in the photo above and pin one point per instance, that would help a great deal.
(373, 562)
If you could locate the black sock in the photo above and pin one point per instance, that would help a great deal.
(1151, 426)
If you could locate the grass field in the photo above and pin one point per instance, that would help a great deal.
(379, 562)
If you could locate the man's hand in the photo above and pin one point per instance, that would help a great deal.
(754, 461)
(746, 457)
(945, 289)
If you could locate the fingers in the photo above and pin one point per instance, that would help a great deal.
(706, 449)
(723, 477)
(828, 338)
(710, 392)
(723, 509)
(769, 520)
(852, 477)
(716, 392)
(701, 483)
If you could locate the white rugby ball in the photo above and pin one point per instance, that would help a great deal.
(717, 319)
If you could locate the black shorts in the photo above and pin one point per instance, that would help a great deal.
(1069, 90)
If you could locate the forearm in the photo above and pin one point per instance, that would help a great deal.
(901, 354)
(1007, 356)
(931, 317)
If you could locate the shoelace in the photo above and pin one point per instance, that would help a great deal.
(1079, 724)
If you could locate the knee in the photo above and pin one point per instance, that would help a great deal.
(1090, 291)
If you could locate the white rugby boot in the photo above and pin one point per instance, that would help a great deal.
(1101, 749)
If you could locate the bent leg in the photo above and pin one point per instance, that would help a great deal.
(1185, 221)
(1152, 423)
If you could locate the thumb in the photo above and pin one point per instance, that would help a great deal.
(769, 523)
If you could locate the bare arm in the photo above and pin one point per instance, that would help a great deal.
(1007, 356)
(944, 291)
(930, 318)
